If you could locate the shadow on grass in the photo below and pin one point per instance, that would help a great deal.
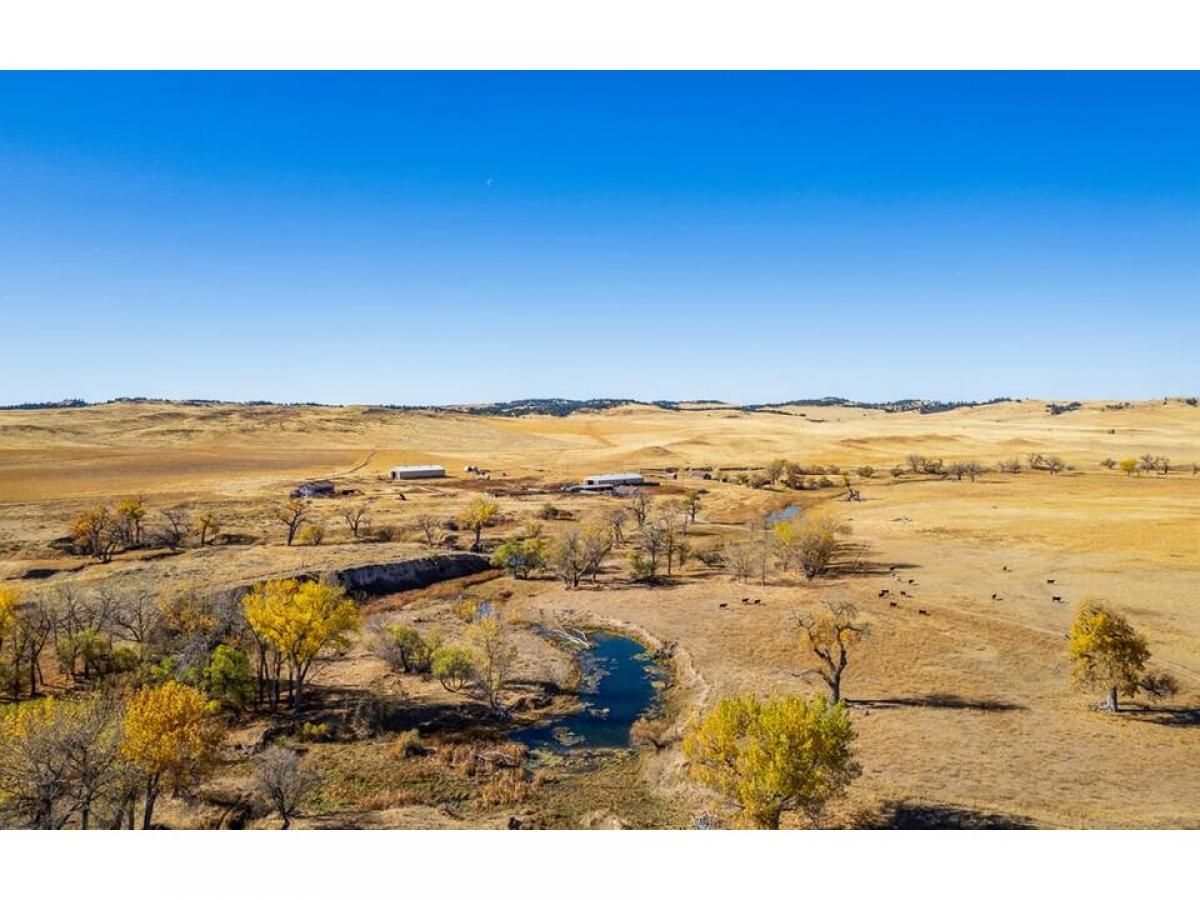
(1172, 716)
(911, 816)
(939, 701)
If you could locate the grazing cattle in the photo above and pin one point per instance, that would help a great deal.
(904, 593)
(884, 592)
(893, 604)
(758, 601)
(1049, 581)
(1056, 599)
(746, 600)
(912, 581)
(724, 606)
(994, 597)
(1004, 569)
(921, 612)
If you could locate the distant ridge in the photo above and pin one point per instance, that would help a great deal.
(559, 406)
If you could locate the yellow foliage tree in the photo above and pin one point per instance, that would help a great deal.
(829, 635)
(478, 516)
(295, 621)
(771, 756)
(493, 656)
(9, 597)
(1107, 652)
(171, 737)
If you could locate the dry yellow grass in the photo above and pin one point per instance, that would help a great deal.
(970, 706)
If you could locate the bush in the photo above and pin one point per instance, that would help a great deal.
(408, 743)
(227, 678)
(312, 534)
(866, 471)
(314, 732)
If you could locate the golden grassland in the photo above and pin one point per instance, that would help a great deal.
(967, 710)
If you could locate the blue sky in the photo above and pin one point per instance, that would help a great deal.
(454, 237)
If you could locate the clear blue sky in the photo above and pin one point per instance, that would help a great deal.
(435, 238)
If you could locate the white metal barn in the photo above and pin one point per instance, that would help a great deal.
(410, 472)
(614, 478)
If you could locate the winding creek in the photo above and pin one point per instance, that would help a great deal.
(619, 685)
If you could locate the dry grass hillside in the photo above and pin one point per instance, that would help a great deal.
(966, 713)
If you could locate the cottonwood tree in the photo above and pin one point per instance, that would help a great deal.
(740, 559)
(775, 469)
(616, 521)
(597, 543)
(478, 516)
(176, 526)
(283, 782)
(95, 531)
(1108, 653)
(691, 503)
(171, 737)
(639, 506)
(207, 526)
(130, 512)
(292, 514)
(829, 635)
(452, 666)
(1129, 465)
(771, 756)
(430, 528)
(567, 557)
(58, 761)
(493, 657)
(521, 555)
(357, 518)
(295, 622)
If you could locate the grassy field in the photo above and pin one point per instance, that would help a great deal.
(965, 715)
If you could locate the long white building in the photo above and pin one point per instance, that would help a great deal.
(410, 472)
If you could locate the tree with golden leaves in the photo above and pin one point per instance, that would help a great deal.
(478, 516)
(95, 531)
(1108, 653)
(171, 737)
(828, 636)
(298, 621)
(493, 656)
(771, 756)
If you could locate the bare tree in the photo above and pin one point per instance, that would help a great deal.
(292, 514)
(617, 518)
(356, 518)
(283, 782)
(177, 526)
(431, 529)
(828, 636)
(691, 503)
(639, 505)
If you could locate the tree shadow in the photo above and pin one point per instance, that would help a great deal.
(1172, 716)
(910, 816)
(854, 559)
(940, 701)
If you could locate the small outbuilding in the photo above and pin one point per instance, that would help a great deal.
(406, 473)
(314, 489)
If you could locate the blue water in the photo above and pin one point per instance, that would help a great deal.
(786, 514)
(617, 689)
